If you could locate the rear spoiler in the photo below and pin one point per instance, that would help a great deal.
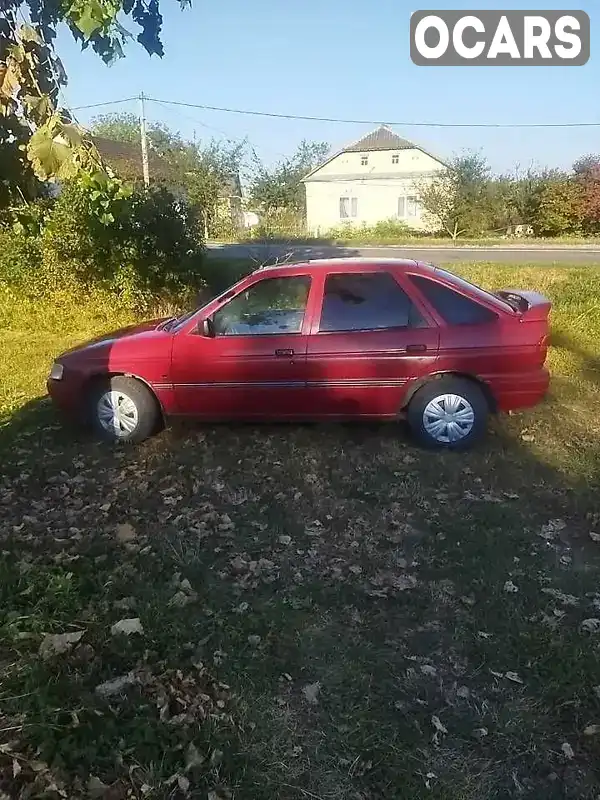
(531, 305)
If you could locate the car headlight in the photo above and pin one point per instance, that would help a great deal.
(56, 372)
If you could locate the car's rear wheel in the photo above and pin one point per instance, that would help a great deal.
(448, 413)
(123, 410)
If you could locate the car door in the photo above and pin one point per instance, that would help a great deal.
(252, 364)
(367, 344)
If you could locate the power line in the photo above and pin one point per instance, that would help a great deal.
(400, 124)
(378, 122)
(107, 103)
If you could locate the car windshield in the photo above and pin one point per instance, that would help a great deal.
(461, 283)
(177, 322)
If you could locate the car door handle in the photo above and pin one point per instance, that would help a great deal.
(284, 352)
(416, 348)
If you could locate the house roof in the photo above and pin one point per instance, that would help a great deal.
(126, 158)
(382, 138)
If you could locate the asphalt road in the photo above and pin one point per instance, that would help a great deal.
(269, 253)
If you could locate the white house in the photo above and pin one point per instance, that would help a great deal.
(372, 180)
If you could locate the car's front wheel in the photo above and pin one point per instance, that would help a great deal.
(122, 409)
(449, 413)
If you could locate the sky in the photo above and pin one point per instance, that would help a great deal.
(342, 59)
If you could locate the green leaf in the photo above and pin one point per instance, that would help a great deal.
(106, 218)
(47, 154)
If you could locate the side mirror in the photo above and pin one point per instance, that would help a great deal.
(207, 328)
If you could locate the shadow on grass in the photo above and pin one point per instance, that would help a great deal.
(335, 557)
(590, 365)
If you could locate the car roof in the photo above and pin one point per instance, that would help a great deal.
(357, 264)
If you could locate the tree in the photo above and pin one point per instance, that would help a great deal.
(587, 173)
(31, 75)
(280, 187)
(561, 208)
(457, 198)
(125, 127)
(200, 170)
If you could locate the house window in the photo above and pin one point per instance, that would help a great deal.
(364, 160)
(395, 158)
(348, 207)
(407, 206)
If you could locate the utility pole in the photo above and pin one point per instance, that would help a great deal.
(144, 140)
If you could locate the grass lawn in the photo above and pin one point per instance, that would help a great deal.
(300, 612)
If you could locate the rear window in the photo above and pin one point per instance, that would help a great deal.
(461, 283)
(454, 308)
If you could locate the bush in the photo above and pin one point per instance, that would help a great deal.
(143, 245)
(20, 257)
(389, 230)
(281, 223)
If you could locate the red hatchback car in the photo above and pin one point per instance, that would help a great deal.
(335, 339)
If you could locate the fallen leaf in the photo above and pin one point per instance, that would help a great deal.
(180, 599)
(56, 643)
(480, 733)
(552, 528)
(591, 625)
(115, 686)
(567, 750)
(125, 533)
(284, 539)
(254, 639)
(512, 676)
(595, 537)
(438, 725)
(16, 768)
(591, 730)
(311, 692)
(510, 587)
(96, 788)
(193, 759)
(127, 627)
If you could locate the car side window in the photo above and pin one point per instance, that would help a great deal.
(270, 306)
(453, 307)
(365, 302)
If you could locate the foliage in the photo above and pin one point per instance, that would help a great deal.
(523, 196)
(587, 173)
(203, 172)
(389, 230)
(147, 243)
(31, 76)
(457, 198)
(561, 209)
(20, 256)
(125, 127)
(281, 187)
(277, 223)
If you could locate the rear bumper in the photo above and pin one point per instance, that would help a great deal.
(521, 390)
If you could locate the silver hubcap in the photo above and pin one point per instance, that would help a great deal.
(117, 413)
(448, 418)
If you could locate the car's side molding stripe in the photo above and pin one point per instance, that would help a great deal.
(355, 383)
